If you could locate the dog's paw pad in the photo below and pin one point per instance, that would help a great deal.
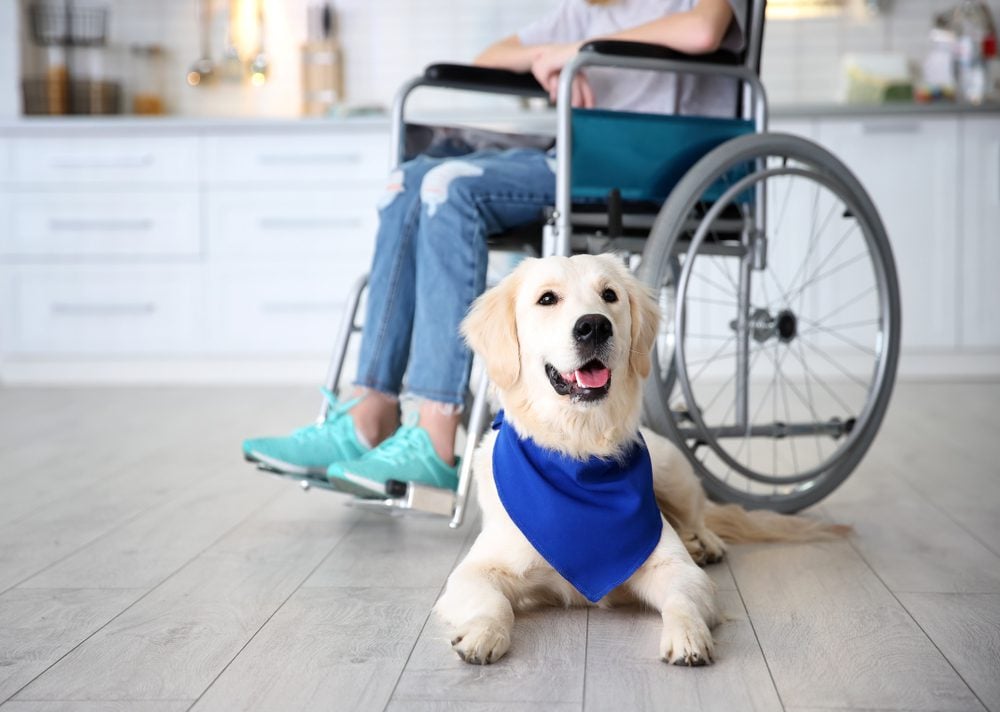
(692, 660)
(705, 548)
(482, 642)
(688, 644)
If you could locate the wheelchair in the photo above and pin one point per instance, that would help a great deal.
(777, 353)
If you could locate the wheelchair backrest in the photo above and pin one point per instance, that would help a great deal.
(649, 153)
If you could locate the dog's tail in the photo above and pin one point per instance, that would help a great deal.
(737, 525)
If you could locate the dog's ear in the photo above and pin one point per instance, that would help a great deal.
(491, 331)
(645, 314)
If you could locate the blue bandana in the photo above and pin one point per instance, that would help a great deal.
(595, 521)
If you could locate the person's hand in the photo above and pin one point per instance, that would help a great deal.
(548, 64)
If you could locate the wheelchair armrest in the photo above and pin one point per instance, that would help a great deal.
(485, 79)
(646, 50)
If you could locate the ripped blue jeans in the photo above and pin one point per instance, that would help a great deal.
(430, 263)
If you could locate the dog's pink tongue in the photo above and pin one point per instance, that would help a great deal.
(592, 379)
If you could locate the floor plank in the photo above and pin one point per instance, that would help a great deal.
(98, 706)
(347, 645)
(391, 551)
(941, 438)
(147, 549)
(463, 706)
(966, 628)
(39, 626)
(172, 643)
(910, 542)
(545, 664)
(835, 637)
(624, 671)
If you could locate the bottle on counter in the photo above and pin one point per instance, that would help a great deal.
(322, 63)
(975, 35)
(148, 80)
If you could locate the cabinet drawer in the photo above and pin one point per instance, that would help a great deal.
(285, 308)
(105, 311)
(102, 224)
(345, 158)
(251, 224)
(105, 160)
(4, 161)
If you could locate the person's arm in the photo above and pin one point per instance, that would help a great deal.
(509, 53)
(699, 30)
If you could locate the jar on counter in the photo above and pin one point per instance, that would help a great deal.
(148, 74)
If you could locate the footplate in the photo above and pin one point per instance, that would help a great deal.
(400, 497)
(411, 498)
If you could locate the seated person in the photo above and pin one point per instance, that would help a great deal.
(430, 252)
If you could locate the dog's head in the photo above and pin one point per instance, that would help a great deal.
(566, 342)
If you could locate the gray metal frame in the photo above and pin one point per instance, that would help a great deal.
(824, 169)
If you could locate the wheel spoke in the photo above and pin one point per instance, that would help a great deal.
(833, 394)
(836, 365)
(849, 342)
(848, 303)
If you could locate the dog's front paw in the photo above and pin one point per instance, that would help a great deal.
(686, 641)
(482, 641)
(704, 547)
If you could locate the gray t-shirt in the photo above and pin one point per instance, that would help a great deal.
(631, 90)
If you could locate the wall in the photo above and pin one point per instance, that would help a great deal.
(801, 62)
(387, 41)
(10, 105)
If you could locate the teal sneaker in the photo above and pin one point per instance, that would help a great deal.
(309, 451)
(406, 456)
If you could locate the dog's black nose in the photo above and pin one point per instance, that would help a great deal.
(592, 329)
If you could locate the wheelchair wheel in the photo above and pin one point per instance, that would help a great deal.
(786, 321)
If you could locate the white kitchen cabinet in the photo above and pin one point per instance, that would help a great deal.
(200, 244)
(287, 308)
(335, 225)
(909, 166)
(87, 224)
(5, 150)
(97, 160)
(84, 310)
(979, 296)
(294, 158)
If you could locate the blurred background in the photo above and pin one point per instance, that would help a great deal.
(187, 187)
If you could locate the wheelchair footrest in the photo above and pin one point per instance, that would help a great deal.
(411, 498)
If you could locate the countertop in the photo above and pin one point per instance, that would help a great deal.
(528, 120)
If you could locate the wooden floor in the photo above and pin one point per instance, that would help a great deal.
(144, 566)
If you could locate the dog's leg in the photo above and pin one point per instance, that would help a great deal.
(685, 596)
(477, 608)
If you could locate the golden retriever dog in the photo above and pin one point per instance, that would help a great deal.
(566, 343)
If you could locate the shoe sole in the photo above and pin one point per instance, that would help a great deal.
(314, 476)
(281, 467)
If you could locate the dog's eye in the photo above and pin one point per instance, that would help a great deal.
(548, 299)
(609, 295)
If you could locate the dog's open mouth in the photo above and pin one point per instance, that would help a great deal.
(590, 382)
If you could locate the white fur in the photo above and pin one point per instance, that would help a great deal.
(502, 572)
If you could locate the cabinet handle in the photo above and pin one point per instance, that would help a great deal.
(894, 127)
(307, 223)
(287, 307)
(76, 162)
(82, 225)
(96, 309)
(307, 159)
